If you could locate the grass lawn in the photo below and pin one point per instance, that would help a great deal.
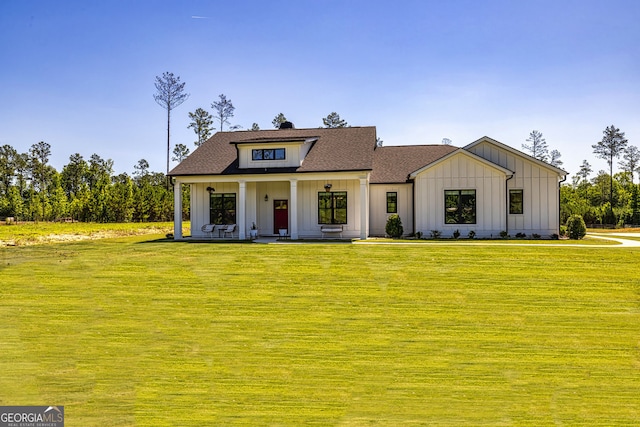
(30, 233)
(131, 331)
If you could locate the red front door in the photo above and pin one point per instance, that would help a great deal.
(280, 215)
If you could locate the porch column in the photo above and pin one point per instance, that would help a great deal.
(177, 210)
(293, 209)
(242, 210)
(364, 209)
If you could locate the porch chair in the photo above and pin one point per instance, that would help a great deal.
(229, 230)
(207, 229)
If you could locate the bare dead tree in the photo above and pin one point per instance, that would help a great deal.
(170, 94)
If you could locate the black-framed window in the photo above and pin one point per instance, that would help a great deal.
(332, 207)
(516, 201)
(222, 208)
(268, 154)
(392, 202)
(460, 206)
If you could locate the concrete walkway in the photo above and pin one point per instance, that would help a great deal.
(618, 237)
(615, 237)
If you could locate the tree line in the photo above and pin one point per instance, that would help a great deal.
(607, 198)
(85, 190)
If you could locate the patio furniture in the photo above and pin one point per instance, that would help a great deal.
(331, 229)
(207, 229)
(229, 229)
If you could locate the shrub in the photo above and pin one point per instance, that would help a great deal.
(535, 236)
(521, 235)
(504, 234)
(435, 234)
(472, 234)
(456, 234)
(418, 234)
(576, 228)
(563, 230)
(394, 226)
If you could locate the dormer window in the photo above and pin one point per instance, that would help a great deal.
(268, 154)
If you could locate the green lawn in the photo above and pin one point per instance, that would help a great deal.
(30, 233)
(131, 331)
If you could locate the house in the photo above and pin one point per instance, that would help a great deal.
(307, 183)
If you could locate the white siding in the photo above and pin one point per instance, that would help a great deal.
(261, 212)
(378, 207)
(200, 203)
(461, 172)
(278, 190)
(540, 187)
(308, 207)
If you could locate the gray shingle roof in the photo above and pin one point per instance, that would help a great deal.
(339, 149)
(393, 164)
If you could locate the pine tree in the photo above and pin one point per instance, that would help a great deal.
(537, 147)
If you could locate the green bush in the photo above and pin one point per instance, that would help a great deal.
(563, 230)
(394, 226)
(576, 228)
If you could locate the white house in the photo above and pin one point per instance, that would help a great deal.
(311, 182)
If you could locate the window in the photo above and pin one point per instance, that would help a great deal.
(222, 208)
(516, 204)
(332, 207)
(268, 154)
(392, 202)
(460, 206)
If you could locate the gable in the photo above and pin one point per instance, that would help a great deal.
(508, 157)
(461, 163)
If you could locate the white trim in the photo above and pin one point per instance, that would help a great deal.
(293, 208)
(177, 210)
(271, 177)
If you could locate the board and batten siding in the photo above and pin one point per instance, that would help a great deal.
(199, 198)
(378, 207)
(540, 185)
(460, 172)
(308, 226)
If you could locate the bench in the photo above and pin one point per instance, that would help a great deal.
(331, 229)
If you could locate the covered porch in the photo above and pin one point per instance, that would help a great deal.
(274, 206)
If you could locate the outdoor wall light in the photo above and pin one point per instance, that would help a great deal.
(211, 189)
(327, 187)
(266, 197)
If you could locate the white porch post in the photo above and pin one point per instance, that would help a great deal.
(177, 210)
(242, 208)
(293, 209)
(364, 209)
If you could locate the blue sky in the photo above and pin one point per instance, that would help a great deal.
(79, 74)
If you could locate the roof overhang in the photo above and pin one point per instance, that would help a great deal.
(282, 140)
